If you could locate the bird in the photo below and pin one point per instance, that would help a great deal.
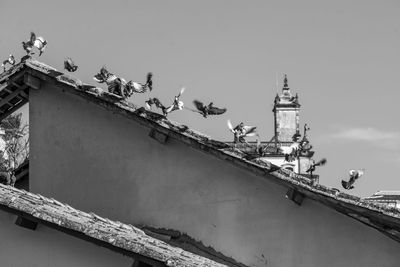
(290, 152)
(69, 65)
(314, 164)
(39, 42)
(354, 175)
(209, 109)
(115, 84)
(176, 105)
(241, 131)
(10, 60)
(134, 87)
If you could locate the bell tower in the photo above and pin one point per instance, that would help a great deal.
(286, 114)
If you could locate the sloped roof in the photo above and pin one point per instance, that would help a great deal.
(122, 238)
(385, 219)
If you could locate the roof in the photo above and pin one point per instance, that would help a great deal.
(385, 195)
(385, 219)
(122, 238)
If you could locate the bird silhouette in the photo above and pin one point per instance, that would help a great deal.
(241, 131)
(135, 87)
(209, 109)
(177, 104)
(354, 175)
(39, 42)
(69, 65)
(10, 60)
(314, 164)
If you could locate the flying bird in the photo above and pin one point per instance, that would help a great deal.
(241, 131)
(314, 164)
(290, 152)
(134, 87)
(39, 42)
(354, 175)
(209, 109)
(176, 105)
(10, 60)
(69, 65)
(115, 85)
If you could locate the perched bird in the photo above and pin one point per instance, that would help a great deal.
(241, 131)
(38, 42)
(115, 85)
(291, 152)
(10, 60)
(176, 105)
(314, 164)
(134, 87)
(209, 109)
(69, 65)
(354, 175)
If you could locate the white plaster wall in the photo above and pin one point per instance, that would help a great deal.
(21, 247)
(96, 160)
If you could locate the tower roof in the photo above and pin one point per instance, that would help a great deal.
(286, 99)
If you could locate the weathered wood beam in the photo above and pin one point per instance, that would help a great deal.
(32, 81)
(159, 136)
(12, 95)
(295, 196)
(26, 223)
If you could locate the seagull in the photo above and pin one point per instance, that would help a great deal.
(354, 175)
(134, 87)
(241, 131)
(314, 164)
(38, 42)
(176, 105)
(208, 109)
(69, 65)
(10, 60)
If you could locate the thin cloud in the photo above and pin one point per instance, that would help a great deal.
(367, 134)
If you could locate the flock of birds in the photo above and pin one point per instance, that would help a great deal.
(124, 89)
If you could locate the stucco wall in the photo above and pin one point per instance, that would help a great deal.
(100, 161)
(21, 247)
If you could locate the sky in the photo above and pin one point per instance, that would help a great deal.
(341, 57)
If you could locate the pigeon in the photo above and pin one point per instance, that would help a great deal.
(176, 105)
(38, 42)
(314, 164)
(115, 85)
(354, 175)
(241, 131)
(10, 60)
(69, 65)
(209, 109)
(291, 152)
(134, 87)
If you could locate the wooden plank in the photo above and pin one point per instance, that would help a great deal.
(125, 239)
(12, 95)
(11, 110)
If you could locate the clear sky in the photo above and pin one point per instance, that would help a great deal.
(341, 57)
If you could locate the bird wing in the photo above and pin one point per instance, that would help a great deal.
(104, 71)
(66, 64)
(149, 80)
(230, 127)
(181, 92)
(216, 111)
(33, 37)
(199, 105)
(136, 87)
(250, 130)
(321, 162)
(158, 104)
(98, 78)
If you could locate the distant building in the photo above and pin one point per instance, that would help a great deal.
(286, 130)
(390, 198)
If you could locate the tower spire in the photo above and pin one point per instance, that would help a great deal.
(285, 82)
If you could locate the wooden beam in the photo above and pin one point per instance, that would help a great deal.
(12, 95)
(295, 196)
(11, 110)
(32, 81)
(159, 136)
(28, 224)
